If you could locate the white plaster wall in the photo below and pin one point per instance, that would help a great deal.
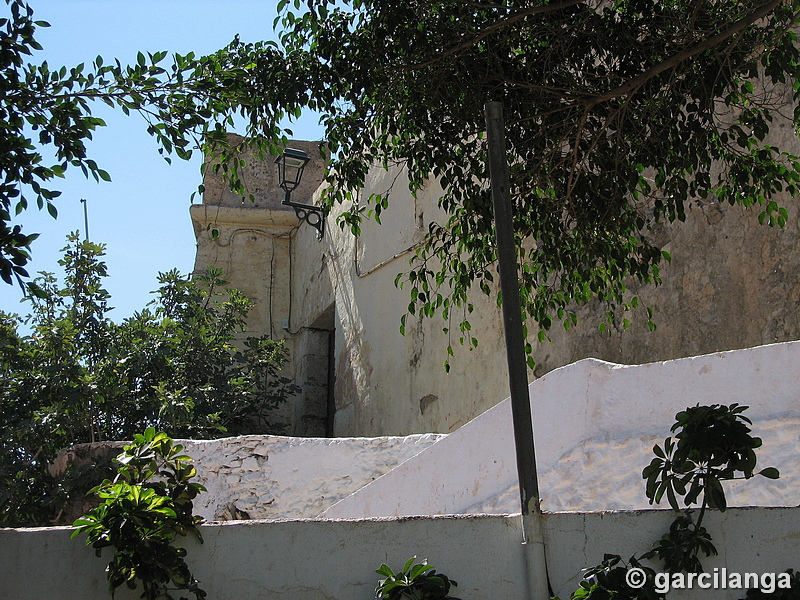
(388, 383)
(594, 425)
(270, 477)
(714, 297)
(336, 560)
(749, 540)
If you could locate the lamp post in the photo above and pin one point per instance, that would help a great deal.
(291, 164)
(532, 526)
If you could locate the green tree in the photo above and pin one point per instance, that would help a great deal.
(79, 377)
(619, 115)
(180, 366)
(47, 111)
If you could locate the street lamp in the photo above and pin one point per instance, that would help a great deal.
(290, 170)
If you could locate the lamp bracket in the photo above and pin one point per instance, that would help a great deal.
(313, 215)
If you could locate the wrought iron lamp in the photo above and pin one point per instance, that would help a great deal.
(290, 170)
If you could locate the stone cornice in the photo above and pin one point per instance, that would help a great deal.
(276, 221)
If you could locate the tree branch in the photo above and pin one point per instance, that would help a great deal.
(518, 16)
(632, 84)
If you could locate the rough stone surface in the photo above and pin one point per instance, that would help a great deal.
(732, 284)
(251, 241)
(275, 477)
(261, 179)
(272, 477)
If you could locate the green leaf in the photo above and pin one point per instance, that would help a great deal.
(770, 473)
(408, 563)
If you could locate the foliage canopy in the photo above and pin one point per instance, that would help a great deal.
(47, 111)
(618, 115)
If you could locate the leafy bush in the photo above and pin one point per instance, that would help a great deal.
(608, 581)
(147, 505)
(793, 593)
(680, 546)
(413, 582)
(712, 444)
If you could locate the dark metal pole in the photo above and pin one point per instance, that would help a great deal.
(532, 526)
(86, 216)
(512, 311)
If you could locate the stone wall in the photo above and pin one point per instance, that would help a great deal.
(336, 560)
(274, 477)
(251, 241)
(732, 284)
(590, 461)
(270, 477)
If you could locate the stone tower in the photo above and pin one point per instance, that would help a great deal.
(251, 241)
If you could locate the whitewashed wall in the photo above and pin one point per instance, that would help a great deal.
(584, 413)
(262, 477)
(273, 477)
(595, 425)
(714, 297)
(336, 560)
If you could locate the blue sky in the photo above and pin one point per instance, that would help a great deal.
(143, 214)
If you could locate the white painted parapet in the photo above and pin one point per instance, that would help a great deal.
(275, 477)
(336, 560)
(595, 424)
(269, 477)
